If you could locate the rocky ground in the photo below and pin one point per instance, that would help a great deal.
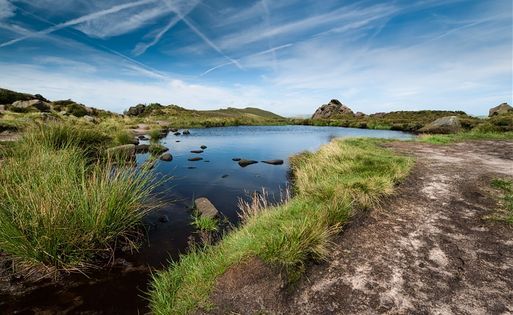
(429, 249)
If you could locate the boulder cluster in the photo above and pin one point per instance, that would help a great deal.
(333, 109)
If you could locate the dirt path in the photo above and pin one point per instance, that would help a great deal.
(429, 250)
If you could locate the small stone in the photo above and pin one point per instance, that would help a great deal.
(236, 159)
(224, 176)
(203, 147)
(164, 219)
(193, 159)
(273, 162)
(197, 151)
(166, 157)
(244, 163)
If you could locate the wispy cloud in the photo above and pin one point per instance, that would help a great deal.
(141, 47)
(82, 19)
(7, 10)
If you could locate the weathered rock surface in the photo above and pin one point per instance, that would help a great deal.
(501, 109)
(38, 104)
(444, 125)
(244, 163)
(273, 162)
(166, 157)
(205, 208)
(332, 109)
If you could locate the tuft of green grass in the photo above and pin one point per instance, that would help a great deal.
(205, 224)
(462, 136)
(58, 208)
(343, 177)
(122, 137)
(506, 187)
(155, 134)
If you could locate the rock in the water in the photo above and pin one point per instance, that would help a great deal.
(166, 157)
(273, 162)
(236, 159)
(203, 147)
(191, 167)
(38, 104)
(164, 219)
(186, 132)
(197, 151)
(143, 137)
(157, 148)
(333, 109)
(224, 176)
(177, 133)
(244, 163)
(444, 125)
(120, 153)
(173, 130)
(177, 141)
(205, 208)
(197, 158)
(501, 109)
(142, 148)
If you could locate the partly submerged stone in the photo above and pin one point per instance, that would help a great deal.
(193, 159)
(273, 162)
(244, 163)
(166, 157)
(186, 132)
(197, 151)
(205, 208)
(236, 159)
(203, 147)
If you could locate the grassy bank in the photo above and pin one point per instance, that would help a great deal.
(505, 186)
(61, 204)
(330, 186)
(463, 136)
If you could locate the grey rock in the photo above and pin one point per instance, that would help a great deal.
(166, 157)
(444, 125)
(38, 104)
(332, 109)
(501, 109)
(186, 132)
(193, 159)
(205, 208)
(203, 147)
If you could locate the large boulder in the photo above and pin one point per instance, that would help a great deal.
(448, 124)
(501, 109)
(332, 109)
(35, 103)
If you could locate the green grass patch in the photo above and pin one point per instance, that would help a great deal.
(205, 224)
(506, 199)
(463, 136)
(58, 208)
(331, 184)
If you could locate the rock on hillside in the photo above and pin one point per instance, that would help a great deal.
(449, 124)
(332, 109)
(503, 108)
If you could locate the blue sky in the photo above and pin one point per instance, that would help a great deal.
(288, 56)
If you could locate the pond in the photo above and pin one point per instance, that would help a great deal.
(216, 177)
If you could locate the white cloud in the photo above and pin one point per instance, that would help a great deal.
(7, 10)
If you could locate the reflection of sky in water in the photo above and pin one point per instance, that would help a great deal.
(248, 142)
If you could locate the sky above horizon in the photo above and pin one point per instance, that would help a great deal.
(287, 56)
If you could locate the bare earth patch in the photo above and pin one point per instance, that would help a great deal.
(428, 250)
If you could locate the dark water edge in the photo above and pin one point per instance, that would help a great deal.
(121, 288)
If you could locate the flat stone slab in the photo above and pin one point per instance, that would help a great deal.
(195, 159)
(205, 208)
(244, 163)
(197, 151)
(273, 162)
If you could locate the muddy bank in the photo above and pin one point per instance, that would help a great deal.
(428, 249)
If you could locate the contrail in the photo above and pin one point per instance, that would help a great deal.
(209, 42)
(141, 48)
(271, 50)
(79, 20)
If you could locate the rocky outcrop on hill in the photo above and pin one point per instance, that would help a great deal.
(34, 103)
(449, 124)
(501, 109)
(332, 109)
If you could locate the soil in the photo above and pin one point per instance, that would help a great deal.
(429, 249)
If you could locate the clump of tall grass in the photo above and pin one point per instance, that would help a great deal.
(475, 134)
(506, 200)
(330, 186)
(58, 208)
(122, 137)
